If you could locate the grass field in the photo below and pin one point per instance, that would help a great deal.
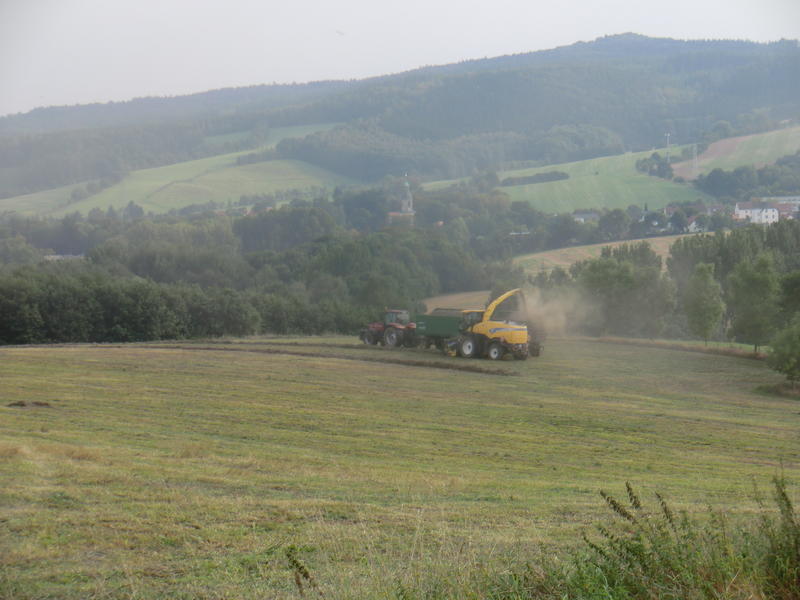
(607, 182)
(216, 178)
(751, 150)
(188, 470)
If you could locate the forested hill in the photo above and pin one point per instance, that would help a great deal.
(588, 99)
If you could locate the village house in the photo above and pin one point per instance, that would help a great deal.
(586, 216)
(762, 213)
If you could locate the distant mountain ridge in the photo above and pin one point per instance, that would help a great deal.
(616, 93)
(629, 46)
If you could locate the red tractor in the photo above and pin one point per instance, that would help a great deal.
(395, 330)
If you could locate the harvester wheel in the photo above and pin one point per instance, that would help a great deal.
(391, 337)
(468, 347)
(496, 351)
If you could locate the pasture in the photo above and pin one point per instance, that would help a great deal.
(191, 470)
(606, 182)
(213, 179)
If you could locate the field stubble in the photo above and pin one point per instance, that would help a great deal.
(187, 471)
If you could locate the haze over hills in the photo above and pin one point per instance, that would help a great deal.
(585, 100)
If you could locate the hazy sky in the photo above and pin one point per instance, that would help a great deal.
(55, 52)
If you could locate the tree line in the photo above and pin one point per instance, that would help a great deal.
(743, 183)
(743, 285)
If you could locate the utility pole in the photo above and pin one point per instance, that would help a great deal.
(667, 136)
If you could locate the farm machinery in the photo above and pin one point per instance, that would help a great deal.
(499, 329)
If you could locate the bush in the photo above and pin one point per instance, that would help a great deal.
(784, 355)
(644, 554)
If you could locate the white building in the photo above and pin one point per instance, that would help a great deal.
(756, 212)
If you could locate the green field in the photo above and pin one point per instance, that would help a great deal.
(187, 470)
(751, 150)
(607, 182)
(216, 178)
(613, 182)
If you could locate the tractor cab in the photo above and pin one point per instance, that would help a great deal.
(396, 317)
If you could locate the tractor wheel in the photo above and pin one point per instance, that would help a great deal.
(392, 337)
(496, 351)
(468, 347)
(367, 338)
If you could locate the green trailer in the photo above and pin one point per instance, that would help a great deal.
(441, 325)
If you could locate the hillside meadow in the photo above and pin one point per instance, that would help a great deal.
(194, 470)
(606, 182)
(213, 179)
(749, 150)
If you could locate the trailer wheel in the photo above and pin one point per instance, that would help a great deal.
(468, 347)
(496, 351)
(391, 337)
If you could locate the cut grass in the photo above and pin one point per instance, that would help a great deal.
(172, 472)
(565, 257)
(750, 150)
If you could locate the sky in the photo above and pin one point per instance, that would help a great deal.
(64, 52)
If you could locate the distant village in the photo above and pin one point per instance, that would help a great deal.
(758, 211)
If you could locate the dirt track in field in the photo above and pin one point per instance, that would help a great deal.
(456, 365)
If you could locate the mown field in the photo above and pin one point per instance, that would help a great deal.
(565, 257)
(750, 150)
(213, 179)
(189, 470)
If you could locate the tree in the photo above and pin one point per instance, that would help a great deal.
(614, 224)
(678, 221)
(703, 302)
(784, 355)
(753, 300)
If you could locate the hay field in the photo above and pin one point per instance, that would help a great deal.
(189, 470)
(564, 257)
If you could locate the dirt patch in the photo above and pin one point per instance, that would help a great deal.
(22, 403)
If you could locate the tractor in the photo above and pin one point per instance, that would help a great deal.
(396, 329)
